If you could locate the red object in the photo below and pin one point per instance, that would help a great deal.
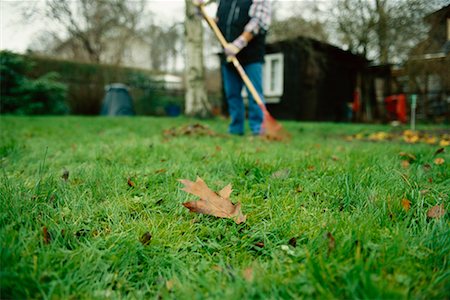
(396, 107)
(356, 101)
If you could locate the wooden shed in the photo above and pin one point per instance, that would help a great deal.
(305, 79)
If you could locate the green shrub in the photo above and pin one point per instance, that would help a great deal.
(25, 96)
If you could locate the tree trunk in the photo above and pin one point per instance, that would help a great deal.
(196, 98)
(382, 31)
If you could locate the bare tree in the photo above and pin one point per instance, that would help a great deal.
(196, 97)
(91, 24)
(383, 30)
(296, 26)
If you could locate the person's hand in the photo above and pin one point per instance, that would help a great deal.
(198, 2)
(232, 49)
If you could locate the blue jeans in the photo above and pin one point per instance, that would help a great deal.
(233, 87)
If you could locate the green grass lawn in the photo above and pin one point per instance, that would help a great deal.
(324, 214)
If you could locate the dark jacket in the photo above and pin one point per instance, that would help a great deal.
(232, 17)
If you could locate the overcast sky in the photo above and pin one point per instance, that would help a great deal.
(16, 33)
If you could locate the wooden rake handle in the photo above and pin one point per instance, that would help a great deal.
(234, 60)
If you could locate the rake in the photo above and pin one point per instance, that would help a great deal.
(270, 128)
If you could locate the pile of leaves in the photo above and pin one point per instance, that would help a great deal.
(195, 129)
(441, 138)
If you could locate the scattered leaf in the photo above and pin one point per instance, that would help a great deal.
(379, 136)
(410, 136)
(248, 274)
(439, 161)
(160, 171)
(408, 156)
(47, 237)
(406, 204)
(359, 136)
(331, 242)
(210, 203)
(217, 268)
(311, 168)
(169, 285)
(436, 211)
(430, 140)
(299, 189)
(218, 148)
(259, 244)
(444, 143)
(427, 167)
(424, 192)
(281, 174)
(195, 129)
(335, 158)
(65, 175)
(130, 182)
(440, 150)
(145, 238)
(293, 242)
(405, 164)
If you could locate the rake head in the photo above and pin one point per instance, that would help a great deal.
(271, 129)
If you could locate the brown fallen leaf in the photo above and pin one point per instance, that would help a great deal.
(424, 192)
(130, 182)
(145, 238)
(406, 204)
(405, 164)
(427, 167)
(440, 150)
(160, 171)
(331, 242)
(47, 237)
(444, 143)
(408, 156)
(259, 244)
(436, 212)
(169, 285)
(210, 203)
(293, 242)
(281, 174)
(439, 161)
(65, 175)
(248, 274)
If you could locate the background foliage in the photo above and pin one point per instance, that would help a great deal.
(23, 95)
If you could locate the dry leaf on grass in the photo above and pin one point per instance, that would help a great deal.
(406, 204)
(145, 238)
(331, 242)
(46, 234)
(65, 175)
(405, 164)
(281, 174)
(436, 212)
(438, 151)
(195, 129)
(444, 143)
(130, 182)
(210, 203)
(408, 156)
(293, 242)
(439, 161)
(248, 274)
